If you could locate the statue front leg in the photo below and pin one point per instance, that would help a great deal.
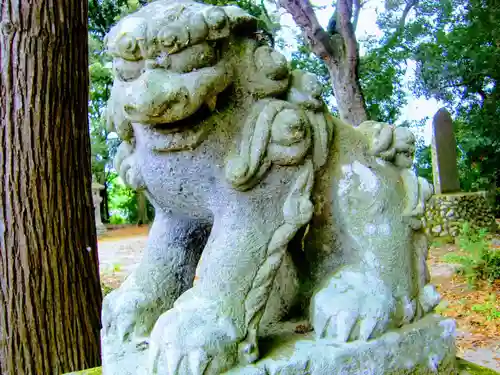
(377, 288)
(202, 333)
(166, 270)
(214, 325)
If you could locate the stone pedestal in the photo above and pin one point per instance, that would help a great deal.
(424, 347)
(96, 198)
(446, 213)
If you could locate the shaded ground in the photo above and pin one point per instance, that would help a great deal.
(474, 310)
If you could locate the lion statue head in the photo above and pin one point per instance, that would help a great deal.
(178, 64)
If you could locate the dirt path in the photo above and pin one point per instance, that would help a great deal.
(478, 338)
(119, 253)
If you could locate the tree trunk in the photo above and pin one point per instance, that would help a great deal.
(347, 91)
(338, 49)
(105, 204)
(50, 296)
(142, 209)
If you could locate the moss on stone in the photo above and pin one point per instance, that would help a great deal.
(461, 194)
(446, 213)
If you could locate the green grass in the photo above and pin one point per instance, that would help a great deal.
(92, 371)
(468, 368)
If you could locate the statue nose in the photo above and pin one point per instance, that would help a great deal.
(155, 103)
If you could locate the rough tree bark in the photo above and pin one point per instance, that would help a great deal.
(142, 208)
(50, 297)
(339, 51)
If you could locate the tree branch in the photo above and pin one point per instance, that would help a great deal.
(409, 5)
(318, 39)
(346, 30)
(357, 9)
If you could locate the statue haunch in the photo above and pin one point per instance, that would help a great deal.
(280, 210)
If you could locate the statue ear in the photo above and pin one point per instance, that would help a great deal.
(227, 20)
(305, 90)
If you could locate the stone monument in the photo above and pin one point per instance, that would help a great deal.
(97, 199)
(444, 154)
(303, 232)
(450, 208)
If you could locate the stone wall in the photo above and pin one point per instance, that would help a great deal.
(446, 213)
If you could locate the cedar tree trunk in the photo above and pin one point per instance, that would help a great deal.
(50, 296)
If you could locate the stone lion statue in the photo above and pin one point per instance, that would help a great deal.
(282, 212)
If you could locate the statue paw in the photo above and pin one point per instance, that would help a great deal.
(429, 298)
(193, 338)
(353, 306)
(124, 316)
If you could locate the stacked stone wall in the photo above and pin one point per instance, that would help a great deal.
(446, 213)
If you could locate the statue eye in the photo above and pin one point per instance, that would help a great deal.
(127, 70)
(128, 48)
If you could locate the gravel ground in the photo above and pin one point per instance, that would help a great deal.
(119, 257)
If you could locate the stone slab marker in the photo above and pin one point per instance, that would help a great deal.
(444, 154)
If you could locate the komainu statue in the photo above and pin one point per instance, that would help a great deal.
(284, 241)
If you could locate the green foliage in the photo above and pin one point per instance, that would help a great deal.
(106, 289)
(423, 161)
(102, 148)
(488, 308)
(458, 54)
(102, 15)
(479, 261)
(116, 219)
(381, 74)
(123, 202)
(455, 46)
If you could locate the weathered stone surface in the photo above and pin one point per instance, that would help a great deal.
(280, 210)
(423, 347)
(464, 368)
(444, 154)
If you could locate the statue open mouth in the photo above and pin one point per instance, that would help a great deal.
(196, 120)
(185, 134)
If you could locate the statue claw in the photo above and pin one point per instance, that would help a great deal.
(195, 339)
(349, 308)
